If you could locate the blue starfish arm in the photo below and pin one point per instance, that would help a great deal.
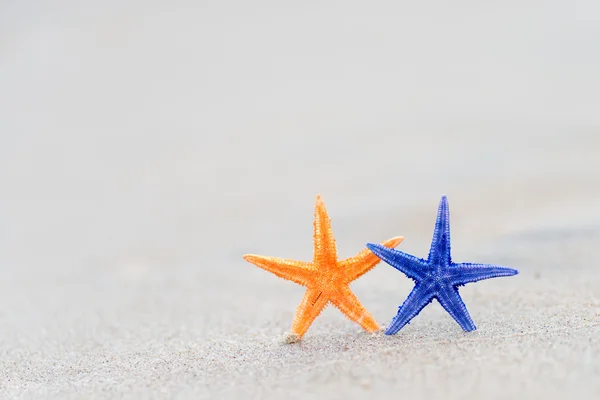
(439, 253)
(450, 299)
(463, 273)
(412, 266)
(420, 296)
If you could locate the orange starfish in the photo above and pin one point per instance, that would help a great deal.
(326, 279)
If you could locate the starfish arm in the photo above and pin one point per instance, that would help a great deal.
(325, 248)
(439, 253)
(420, 296)
(411, 266)
(299, 272)
(450, 299)
(348, 304)
(364, 261)
(461, 274)
(312, 304)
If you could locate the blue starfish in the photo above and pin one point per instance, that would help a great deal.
(437, 277)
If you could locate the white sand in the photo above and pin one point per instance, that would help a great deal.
(144, 149)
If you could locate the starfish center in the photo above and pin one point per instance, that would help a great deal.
(438, 275)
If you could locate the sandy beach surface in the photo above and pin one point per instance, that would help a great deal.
(144, 147)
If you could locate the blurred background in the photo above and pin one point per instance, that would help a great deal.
(153, 129)
(145, 146)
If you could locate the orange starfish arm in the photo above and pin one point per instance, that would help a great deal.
(312, 304)
(296, 271)
(347, 303)
(325, 250)
(364, 261)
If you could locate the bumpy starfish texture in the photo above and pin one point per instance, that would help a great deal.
(327, 280)
(437, 277)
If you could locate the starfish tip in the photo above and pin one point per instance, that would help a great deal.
(320, 205)
(376, 248)
(291, 337)
(397, 240)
